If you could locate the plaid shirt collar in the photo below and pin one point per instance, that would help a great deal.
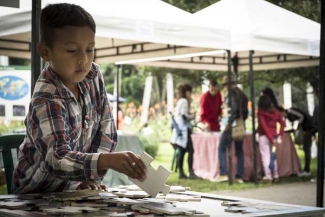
(50, 75)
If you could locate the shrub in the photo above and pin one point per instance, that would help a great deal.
(150, 144)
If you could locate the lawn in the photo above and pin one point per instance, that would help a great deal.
(165, 155)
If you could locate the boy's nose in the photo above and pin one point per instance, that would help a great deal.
(83, 58)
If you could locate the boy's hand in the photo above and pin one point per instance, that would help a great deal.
(91, 185)
(128, 163)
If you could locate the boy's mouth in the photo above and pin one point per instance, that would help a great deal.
(81, 71)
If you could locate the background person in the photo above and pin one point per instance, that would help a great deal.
(183, 119)
(210, 107)
(307, 124)
(238, 103)
(268, 117)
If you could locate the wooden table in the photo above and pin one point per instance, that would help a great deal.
(210, 205)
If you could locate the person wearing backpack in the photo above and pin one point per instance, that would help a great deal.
(308, 129)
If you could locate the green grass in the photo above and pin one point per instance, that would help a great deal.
(164, 157)
(3, 189)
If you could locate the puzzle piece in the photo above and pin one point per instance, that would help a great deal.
(20, 204)
(177, 188)
(76, 194)
(244, 210)
(232, 203)
(10, 196)
(182, 197)
(155, 179)
(122, 201)
(70, 210)
(167, 208)
(129, 187)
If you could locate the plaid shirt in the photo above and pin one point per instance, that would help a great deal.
(64, 137)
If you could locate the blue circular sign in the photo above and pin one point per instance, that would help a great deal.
(13, 87)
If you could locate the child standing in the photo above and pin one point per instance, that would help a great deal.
(70, 132)
(268, 117)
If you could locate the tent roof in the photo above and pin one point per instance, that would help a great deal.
(126, 29)
(261, 60)
(260, 25)
(279, 38)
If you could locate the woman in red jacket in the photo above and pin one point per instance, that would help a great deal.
(268, 117)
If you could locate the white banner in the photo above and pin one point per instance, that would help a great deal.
(146, 99)
(287, 98)
(170, 92)
(310, 99)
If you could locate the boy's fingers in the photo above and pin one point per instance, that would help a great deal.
(129, 172)
(138, 162)
(104, 187)
(94, 187)
(139, 168)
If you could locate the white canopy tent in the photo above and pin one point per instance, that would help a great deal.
(126, 29)
(279, 38)
(263, 36)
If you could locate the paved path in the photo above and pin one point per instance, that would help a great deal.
(294, 193)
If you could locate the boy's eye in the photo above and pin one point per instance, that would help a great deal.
(90, 50)
(71, 51)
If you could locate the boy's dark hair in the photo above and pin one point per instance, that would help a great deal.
(213, 82)
(182, 90)
(60, 15)
(265, 104)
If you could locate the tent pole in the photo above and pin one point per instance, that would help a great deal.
(229, 124)
(321, 126)
(117, 92)
(35, 58)
(251, 83)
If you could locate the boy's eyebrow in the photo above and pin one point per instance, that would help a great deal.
(71, 42)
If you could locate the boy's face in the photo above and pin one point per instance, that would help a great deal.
(71, 55)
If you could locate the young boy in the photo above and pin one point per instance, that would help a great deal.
(70, 132)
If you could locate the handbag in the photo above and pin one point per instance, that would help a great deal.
(238, 130)
(299, 135)
(175, 125)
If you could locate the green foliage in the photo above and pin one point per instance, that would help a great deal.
(150, 144)
(131, 81)
(191, 6)
(13, 127)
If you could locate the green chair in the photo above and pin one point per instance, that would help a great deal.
(174, 166)
(7, 143)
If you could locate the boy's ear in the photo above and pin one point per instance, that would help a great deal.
(44, 51)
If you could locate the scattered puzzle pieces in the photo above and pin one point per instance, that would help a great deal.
(66, 210)
(155, 179)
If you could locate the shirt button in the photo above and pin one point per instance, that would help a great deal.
(92, 177)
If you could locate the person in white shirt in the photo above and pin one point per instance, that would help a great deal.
(182, 129)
